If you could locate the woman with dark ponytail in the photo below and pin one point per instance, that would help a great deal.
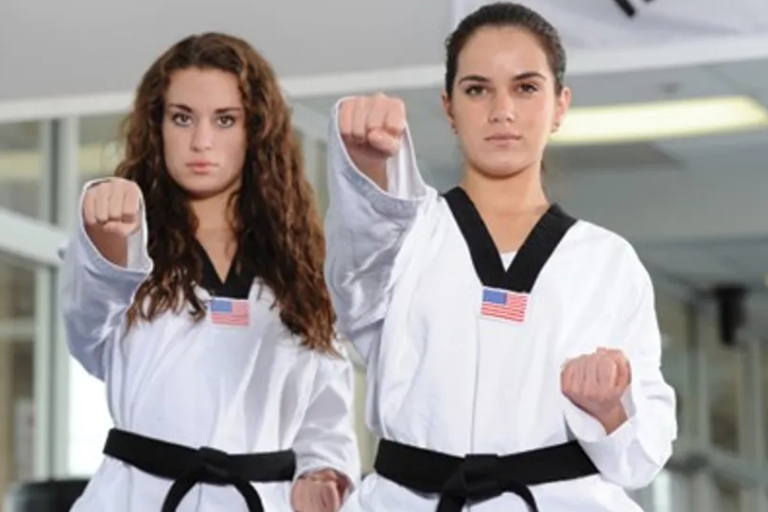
(513, 351)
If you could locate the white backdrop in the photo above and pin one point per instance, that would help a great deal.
(602, 24)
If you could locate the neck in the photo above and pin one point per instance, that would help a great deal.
(213, 213)
(520, 193)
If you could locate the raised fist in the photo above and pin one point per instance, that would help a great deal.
(322, 491)
(112, 207)
(372, 128)
(111, 215)
(596, 382)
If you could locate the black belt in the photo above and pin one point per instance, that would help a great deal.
(480, 478)
(188, 466)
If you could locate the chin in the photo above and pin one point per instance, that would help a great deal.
(202, 193)
(500, 163)
(199, 190)
(204, 186)
(502, 169)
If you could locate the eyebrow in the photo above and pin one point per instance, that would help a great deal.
(225, 110)
(521, 76)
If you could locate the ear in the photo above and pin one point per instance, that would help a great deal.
(561, 108)
(447, 108)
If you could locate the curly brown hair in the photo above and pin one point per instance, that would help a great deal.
(277, 225)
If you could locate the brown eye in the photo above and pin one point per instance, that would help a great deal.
(474, 90)
(226, 121)
(181, 119)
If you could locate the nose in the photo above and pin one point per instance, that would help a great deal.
(202, 137)
(502, 109)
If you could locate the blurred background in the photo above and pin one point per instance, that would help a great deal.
(666, 144)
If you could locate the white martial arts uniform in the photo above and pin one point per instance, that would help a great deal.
(237, 388)
(444, 378)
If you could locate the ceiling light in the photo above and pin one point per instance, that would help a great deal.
(637, 122)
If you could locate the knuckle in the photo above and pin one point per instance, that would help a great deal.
(399, 106)
(97, 190)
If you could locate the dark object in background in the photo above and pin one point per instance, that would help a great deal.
(46, 496)
(732, 314)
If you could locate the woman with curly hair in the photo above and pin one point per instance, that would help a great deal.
(194, 289)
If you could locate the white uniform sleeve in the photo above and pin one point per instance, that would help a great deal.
(95, 294)
(365, 229)
(326, 438)
(634, 454)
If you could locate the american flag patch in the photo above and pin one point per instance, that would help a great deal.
(229, 311)
(504, 305)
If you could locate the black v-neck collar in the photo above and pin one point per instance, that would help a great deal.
(530, 259)
(236, 285)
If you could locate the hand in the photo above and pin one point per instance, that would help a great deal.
(111, 215)
(596, 382)
(371, 128)
(321, 491)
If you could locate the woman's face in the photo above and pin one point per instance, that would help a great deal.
(204, 133)
(504, 105)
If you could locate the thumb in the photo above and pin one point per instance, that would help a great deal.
(623, 372)
(328, 495)
(298, 499)
(120, 228)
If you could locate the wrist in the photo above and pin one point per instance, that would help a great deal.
(611, 419)
(378, 173)
(111, 247)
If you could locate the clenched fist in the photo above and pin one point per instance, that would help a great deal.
(111, 215)
(322, 491)
(596, 383)
(371, 128)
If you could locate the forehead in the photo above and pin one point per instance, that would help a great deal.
(495, 51)
(203, 89)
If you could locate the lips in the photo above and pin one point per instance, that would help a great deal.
(201, 168)
(503, 137)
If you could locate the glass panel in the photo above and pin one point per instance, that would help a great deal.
(676, 362)
(722, 368)
(764, 405)
(728, 495)
(21, 166)
(673, 320)
(100, 146)
(671, 492)
(17, 356)
(99, 153)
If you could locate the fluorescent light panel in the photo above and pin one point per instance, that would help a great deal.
(660, 120)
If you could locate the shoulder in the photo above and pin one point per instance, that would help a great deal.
(609, 252)
(334, 364)
(600, 237)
